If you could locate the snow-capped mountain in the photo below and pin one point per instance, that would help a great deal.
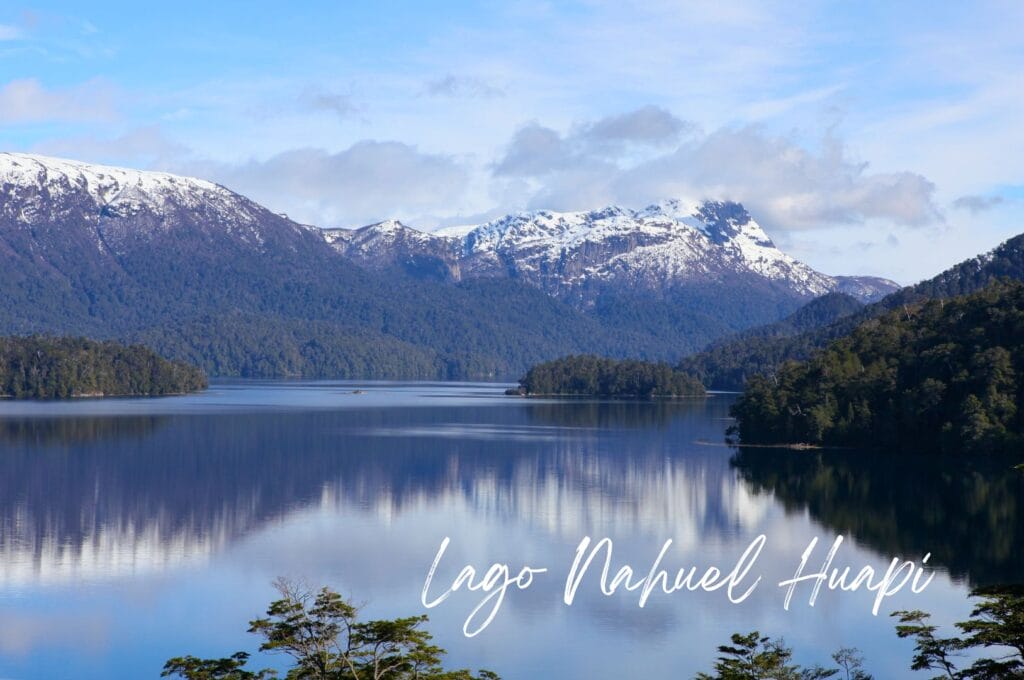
(202, 273)
(391, 243)
(117, 207)
(578, 255)
(92, 249)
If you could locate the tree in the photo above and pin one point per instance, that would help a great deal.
(930, 652)
(851, 664)
(996, 624)
(753, 657)
(997, 621)
(322, 635)
(229, 668)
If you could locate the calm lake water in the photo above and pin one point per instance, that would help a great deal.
(136, 530)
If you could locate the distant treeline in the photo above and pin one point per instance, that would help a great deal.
(589, 375)
(40, 367)
(945, 375)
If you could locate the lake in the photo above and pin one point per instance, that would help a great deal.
(134, 530)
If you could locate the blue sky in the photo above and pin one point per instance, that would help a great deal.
(870, 137)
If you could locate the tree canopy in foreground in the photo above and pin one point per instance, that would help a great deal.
(994, 636)
(320, 632)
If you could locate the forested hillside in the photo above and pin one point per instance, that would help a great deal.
(946, 375)
(729, 364)
(59, 368)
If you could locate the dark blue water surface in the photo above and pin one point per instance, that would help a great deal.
(136, 530)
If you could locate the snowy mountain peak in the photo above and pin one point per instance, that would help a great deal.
(672, 208)
(105, 184)
(386, 232)
(117, 209)
(662, 246)
(555, 230)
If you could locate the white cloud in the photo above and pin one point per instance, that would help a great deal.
(28, 101)
(536, 150)
(364, 183)
(788, 186)
(8, 32)
(648, 125)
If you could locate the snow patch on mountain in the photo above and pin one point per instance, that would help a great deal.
(105, 184)
(119, 205)
(572, 255)
(671, 243)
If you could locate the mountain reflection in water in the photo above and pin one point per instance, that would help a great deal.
(104, 494)
(135, 530)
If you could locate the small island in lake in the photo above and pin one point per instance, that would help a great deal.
(593, 376)
(61, 368)
(946, 376)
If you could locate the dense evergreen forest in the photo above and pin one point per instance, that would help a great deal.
(590, 375)
(729, 364)
(58, 368)
(942, 376)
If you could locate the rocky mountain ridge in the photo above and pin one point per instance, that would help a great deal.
(578, 255)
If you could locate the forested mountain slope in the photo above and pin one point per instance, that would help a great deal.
(728, 364)
(944, 375)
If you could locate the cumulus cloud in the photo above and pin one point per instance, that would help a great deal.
(787, 185)
(367, 182)
(646, 125)
(28, 101)
(535, 151)
(977, 204)
(631, 159)
(364, 183)
(462, 86)
(538, 151)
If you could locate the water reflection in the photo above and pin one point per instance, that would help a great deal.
(965, 511)
(126, 518)
(72, 431)
(629, 414)
(101, 496)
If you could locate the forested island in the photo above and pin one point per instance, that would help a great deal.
(594, 376)
(941, 376)
(40, 367)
